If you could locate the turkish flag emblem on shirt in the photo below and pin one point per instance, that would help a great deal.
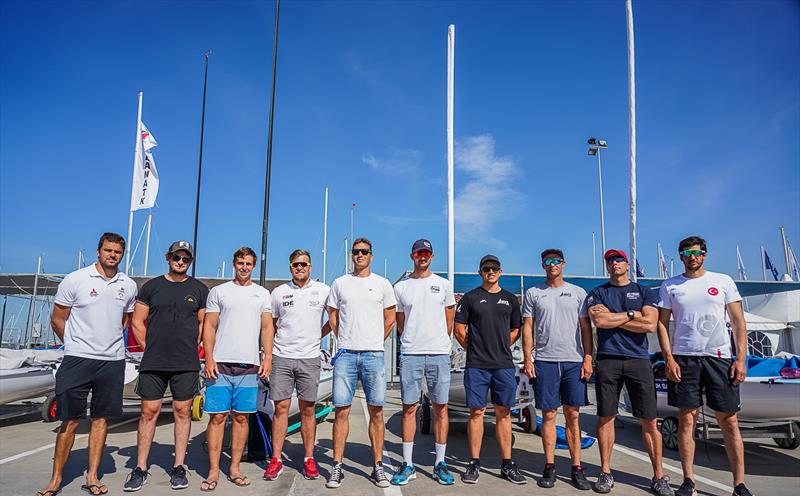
(713, 291)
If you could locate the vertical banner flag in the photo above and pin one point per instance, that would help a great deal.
(662, 263)
(639, 270)
(148, 141)
(769, 266)
(740, 265)
(145, 179)
(795, 270)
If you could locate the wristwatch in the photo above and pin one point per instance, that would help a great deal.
(631, 315)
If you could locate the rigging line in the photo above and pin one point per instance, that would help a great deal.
(136, 248)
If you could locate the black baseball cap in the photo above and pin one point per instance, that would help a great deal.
(181, 245)
(489, 258)
(422, 245)
(553, 251)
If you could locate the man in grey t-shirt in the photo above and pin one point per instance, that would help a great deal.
(563, 366)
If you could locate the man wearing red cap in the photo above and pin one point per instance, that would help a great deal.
(624, 313)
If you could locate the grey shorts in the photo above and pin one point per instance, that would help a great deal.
(289, 374)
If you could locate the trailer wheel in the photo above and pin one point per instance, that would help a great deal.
(198, 407)
(529, 420)
(425, 418)
(669, 432)
(49, 409)
(790, 442)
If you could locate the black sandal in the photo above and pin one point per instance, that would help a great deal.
(210, 485)
(90, 488)
(48, 492)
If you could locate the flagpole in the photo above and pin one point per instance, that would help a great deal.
(325, 241)
(451, 229)
(352, 234)
(632, 131)
(147, 242)
(136, 152)
(263, 270)
(200, 163)
(594, 256)
(763, 264)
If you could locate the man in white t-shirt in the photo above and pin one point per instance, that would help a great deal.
(238, 316)
(425, 312)
(700, 360)
(361, 312)
(297, 311)
(92, 307)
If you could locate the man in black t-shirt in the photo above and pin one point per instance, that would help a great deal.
(167, 323)
(487, 322)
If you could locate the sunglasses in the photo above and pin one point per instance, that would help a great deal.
(689, 253)
(361, 251)
(422, 254)
(615, 259)
(178, 258)
(296, 265)
(553, 261)
(490, 268)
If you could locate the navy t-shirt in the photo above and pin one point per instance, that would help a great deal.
(620, 299)
(489, 318)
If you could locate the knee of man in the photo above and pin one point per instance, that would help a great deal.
(241, 418)
(99, 421)
(70, 425)
(476, 413)
(218, 418)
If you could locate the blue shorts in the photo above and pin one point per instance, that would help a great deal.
(559, 383)
(349, 367)
(435, 369)
(234, 389)
(502, 382)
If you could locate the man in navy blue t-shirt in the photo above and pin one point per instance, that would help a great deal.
(623, 312)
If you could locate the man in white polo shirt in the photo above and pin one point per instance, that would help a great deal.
(92, 307)
(361, 311)
(297, 310)
(425, 311)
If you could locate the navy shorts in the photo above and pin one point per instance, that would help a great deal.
(502, 382)
(559, 383)
(77, 376)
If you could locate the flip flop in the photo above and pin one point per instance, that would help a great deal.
(90, 488)
(48, 492)
(210, 486)
(240, 481)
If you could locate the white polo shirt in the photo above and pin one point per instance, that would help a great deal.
(423, 301)
(94, 326)
(300, 312)
(239, 328)
(361, 301)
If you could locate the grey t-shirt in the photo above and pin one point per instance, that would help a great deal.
(556, 332)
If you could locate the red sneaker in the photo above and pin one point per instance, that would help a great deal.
(310, 470)
(273, 470)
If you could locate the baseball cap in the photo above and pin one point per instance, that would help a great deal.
(615, 253)
(489, 258)
(553, 251)
(181, 245)
(420, 245)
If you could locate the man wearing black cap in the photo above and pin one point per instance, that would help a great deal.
(487, 323)
(167, 322)
(624, 313)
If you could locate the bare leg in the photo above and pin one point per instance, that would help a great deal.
(214, 433)
(687, 421)
(182, 414)
(239, 432)
(341, 428)
(549, 435)
(308, 427)
(734, 446)
(280, 424)
(572, 416)
(651, 437)
(64, 441)
(605, 441)
(376, 431)
(409, 422)
(147, 429)
(97, 443)
(440, 423)
(475, 431)
(503, 430)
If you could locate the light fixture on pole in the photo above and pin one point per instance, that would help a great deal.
(594, 149)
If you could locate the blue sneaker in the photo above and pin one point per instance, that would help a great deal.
(442, 474)
(405, 474)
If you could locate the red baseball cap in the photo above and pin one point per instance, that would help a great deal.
(615, 253)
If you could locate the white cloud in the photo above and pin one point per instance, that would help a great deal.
(399, 162)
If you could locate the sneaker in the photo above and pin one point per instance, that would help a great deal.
(579, 479)
(274, 469)
(604, 483)
(686, 489)
(471, 475)
(661, 486)
(443, 475)
(336, 476)
(548, 476)
(136, 480)
(177, 478)
(510, 471)
(405, 474)
(741, 490)
(379, 476)
(310, 470)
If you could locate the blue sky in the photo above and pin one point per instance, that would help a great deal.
(361, 109)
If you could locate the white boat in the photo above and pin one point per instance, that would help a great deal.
(24, 383)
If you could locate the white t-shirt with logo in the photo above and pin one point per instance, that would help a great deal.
(361, 301)
(94, 326)
(300, 312)
(557, 334)
(239, 329)
(423, 302)
(698, 308)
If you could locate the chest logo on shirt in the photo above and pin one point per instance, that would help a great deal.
(713, 291)
(503, 302)
(569, 295)
(632, 296)
(287, 296)
(121, 294)
(435, 289)
(189, 299)
(288, 303)
(482, 301)
(93, 292)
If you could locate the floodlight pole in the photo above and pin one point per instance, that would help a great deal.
(602, 212)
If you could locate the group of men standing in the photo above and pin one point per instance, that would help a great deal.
(248, 333)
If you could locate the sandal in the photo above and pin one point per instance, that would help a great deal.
(48, 492)
(210, 486)
(240, 481)
(91, 488)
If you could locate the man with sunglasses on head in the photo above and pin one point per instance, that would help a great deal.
(425, 310)
(297, 310)
(563, 349)
(487, 322)
(168, 322)
(701, 360)
(624, 312)
(361, 313)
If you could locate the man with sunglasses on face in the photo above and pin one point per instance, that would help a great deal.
(487, 322)
(297, 310)
(425, 310)
(563, 366)
(361, 313)
(624, 312)
(700, 360)
(168, 322)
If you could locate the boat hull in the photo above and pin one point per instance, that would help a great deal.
(25, 383)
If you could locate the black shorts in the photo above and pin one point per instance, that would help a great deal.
(704, 375)
(183, 385)
(636, 374)
(77, 376)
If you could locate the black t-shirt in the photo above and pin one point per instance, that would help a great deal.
(490, 318)
(172, 326)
